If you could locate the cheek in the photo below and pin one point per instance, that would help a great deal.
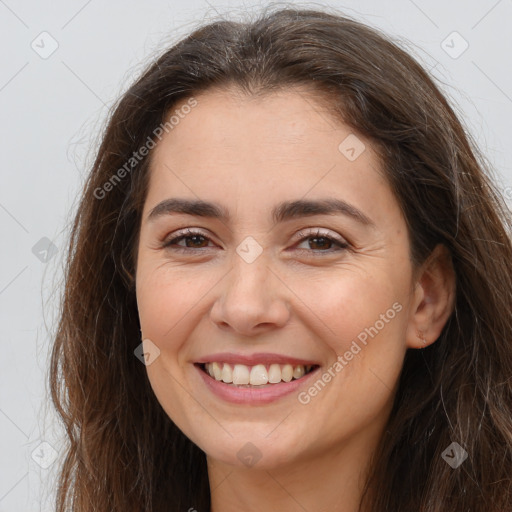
(348, 305)
(362, 322)
(165, 297)
(168, 303)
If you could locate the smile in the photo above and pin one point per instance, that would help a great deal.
(258, 384)
(257, 375)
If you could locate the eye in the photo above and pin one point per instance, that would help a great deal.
(322, 242)
(197, 239)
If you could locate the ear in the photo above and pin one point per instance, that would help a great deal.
(434, 298)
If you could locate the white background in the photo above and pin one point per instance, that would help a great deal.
(52, 111)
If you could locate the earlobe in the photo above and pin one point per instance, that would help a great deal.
(434, 299)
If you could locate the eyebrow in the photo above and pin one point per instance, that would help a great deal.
(284, 211)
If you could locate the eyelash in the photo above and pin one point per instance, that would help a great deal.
(188, 233)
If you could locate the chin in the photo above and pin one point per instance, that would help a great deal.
(266, 447)
(251, 453)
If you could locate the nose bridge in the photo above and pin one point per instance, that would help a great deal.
(251, 275)
(251, 295)
(250, 268)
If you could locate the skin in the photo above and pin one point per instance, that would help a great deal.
(249, 154)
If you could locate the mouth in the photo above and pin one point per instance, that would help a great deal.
(256, 376)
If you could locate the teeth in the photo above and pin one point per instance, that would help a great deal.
(217, 371)
(298, 372)
(274, 373)
(287, 372)
(258, 375)
(227, 374)
(240, 374)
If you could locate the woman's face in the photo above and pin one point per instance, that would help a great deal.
(309, 266)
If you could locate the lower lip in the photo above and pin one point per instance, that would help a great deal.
(255, 395)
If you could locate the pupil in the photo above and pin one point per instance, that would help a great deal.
(196, 237)
(320, 238)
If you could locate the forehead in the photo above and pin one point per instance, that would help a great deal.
(291, 116)
(283, 145)
(291, 125)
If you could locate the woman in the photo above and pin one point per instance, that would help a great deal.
(288, 287)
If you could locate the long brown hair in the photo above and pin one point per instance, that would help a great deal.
(124, 453)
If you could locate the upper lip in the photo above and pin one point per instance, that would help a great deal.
(254, 359)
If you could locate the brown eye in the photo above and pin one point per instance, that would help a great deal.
(323, 241)
(193, 240)
(320, 242)
(196, 240)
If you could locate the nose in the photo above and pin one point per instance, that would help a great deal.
(252, 299)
